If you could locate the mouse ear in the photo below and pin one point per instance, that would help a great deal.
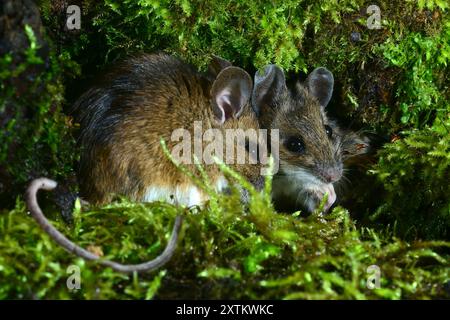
(320, 83)
(270, 83)
(230, 93)
(217, 64)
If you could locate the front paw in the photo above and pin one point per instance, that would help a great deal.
(318, 193)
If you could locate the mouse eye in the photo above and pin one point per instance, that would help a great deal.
(295, 144)
(329, 131)
(252, 149)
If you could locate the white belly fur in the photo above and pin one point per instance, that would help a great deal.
(187, 196)
(190, 196)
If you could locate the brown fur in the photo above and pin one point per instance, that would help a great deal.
(121, 132)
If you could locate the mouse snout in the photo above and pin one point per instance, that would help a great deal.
(331, 174)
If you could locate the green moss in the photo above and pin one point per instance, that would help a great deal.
(420, 99)
(257, 253)
(420, 161)
(36, 138)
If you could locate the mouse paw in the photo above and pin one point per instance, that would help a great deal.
(319, 193)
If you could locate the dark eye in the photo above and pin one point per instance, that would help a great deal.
(329, 131)
(295, 144)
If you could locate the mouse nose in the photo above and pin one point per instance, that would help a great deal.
(332, 174)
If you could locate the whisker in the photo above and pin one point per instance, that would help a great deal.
(347, 180)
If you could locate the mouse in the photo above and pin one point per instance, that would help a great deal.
(123, 118)
(313, 149)
(145, 99)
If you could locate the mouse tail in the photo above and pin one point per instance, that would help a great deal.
(36, 212)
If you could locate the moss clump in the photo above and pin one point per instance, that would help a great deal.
(35, 138)
(224, 252)
(421, 160)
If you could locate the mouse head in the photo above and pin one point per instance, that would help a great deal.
(307, 141)
(233, 115)
(310, 148)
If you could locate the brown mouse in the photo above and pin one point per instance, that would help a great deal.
(313, 148)
(143, 100)
(122, 121)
